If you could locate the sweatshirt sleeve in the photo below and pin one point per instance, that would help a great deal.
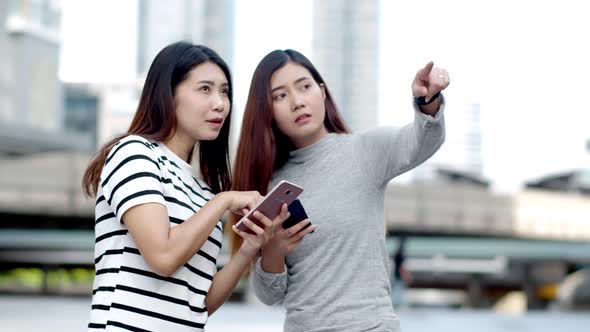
(389, 152)
(270, 288)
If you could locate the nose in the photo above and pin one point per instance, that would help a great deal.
(296, 102)
(217, 102)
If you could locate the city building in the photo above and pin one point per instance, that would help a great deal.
(31, 106)
(346, 52)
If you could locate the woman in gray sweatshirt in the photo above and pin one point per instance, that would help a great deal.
(335, 279)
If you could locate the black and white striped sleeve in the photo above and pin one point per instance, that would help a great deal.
(131, 176)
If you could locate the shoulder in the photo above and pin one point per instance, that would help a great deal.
(130, 154)
(136, 141)
(376, 133)
(132, 145)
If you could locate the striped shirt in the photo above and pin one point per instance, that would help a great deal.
(128, 295)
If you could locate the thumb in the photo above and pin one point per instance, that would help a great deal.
(424, 92)
(284, 215)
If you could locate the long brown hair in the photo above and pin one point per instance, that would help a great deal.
(155, 118)
(263, 148)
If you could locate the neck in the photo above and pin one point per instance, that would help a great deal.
(181, 146)
(311, 139)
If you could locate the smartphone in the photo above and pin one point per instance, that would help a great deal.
(297, 214)
(284, 192)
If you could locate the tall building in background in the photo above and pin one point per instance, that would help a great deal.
(206, 22)
(462, 150)
(346, 52)
(31, 106)
(30, 93)
(81, 105)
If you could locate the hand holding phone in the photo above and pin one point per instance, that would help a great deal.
(297, 214)
(283, 193)
(295, 228)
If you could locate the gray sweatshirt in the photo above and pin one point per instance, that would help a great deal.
(337, 278)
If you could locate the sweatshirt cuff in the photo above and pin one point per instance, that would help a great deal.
(268, 277)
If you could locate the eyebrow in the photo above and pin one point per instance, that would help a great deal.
(211, 82)
(297, 81)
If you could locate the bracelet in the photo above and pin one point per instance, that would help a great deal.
(421, 101)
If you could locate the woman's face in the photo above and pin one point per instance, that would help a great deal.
(202, 102)
(298, 105)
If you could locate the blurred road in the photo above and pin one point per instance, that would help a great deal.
(65, 314)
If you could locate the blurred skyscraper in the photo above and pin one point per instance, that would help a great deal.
(346, 52)
(207, 22)
(31, 112)
(29, 39)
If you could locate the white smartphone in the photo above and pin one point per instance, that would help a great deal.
(284, 192)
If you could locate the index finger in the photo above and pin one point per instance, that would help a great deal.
(425, 72)
(262, 218)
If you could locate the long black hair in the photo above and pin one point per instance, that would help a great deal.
(155, 118)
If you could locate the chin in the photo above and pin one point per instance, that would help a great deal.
(206, 136)
(309, 130)
(209, 138)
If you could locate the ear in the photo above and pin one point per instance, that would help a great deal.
(323, 88)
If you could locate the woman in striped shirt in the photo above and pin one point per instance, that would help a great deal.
(158, 224)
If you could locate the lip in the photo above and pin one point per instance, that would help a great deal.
(217, 122)
(302, 118)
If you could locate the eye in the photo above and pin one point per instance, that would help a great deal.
(205, 88)
(306, 86)
(279, 96)
(225, 91)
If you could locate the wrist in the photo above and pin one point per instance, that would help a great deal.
(272, 254)
(421, 100)
(272, 263)
(247, 250)
(224, 199)
(432, 106)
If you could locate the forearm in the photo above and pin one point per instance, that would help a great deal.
(271, 262)
(422, 138)
(226, 280)
(186, 239)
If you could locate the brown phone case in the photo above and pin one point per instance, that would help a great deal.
(284, 192)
